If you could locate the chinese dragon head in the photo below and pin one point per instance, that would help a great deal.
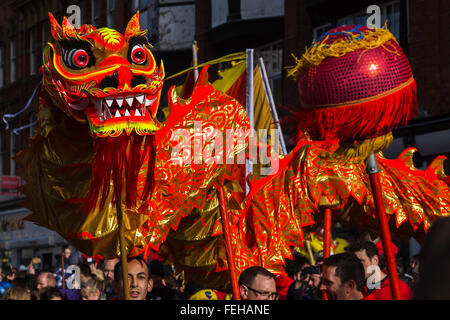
(111, 82)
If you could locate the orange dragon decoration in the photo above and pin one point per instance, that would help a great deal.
(103, 136)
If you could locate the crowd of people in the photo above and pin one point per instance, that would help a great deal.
(358, 273)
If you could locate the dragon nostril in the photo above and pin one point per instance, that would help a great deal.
(137, 80)
(109, 82)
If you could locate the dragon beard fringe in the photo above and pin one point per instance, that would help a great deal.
(116, 168)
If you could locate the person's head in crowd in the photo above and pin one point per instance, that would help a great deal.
(157, 274)
(34, 294)
(91, 289)
(51, 294)
(414, 269)
(66, 253)
(294, 267)
(138, 278)
(343, 277)
(108, 268)
(10, 274)
(45, 280)
(310, 280)
(434, 263)
(257, 283)
(367, 253)
(21, 281)
(85, 271)
(16, 293)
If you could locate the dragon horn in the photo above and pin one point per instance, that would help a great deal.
(133, 26)
(162, 72)
(57, 31)
(68, 28)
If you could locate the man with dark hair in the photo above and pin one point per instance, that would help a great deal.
(343, 277)
(257, 283)
(377, 281)
(138, 279)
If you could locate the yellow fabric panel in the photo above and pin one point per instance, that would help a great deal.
(229, 76)
(262, 117)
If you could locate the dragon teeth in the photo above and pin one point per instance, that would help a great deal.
(149, 102)
(140, 98)
(117, 114)
(129, 100)
(119, 101)
(127, 113)
(137, 113)
(109, 101)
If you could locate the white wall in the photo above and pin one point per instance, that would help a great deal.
(250, 9)
(176, 27)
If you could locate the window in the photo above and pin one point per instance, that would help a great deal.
(319, 31)
(390, 12)
(95, 13)
(12, 152)
(2, 70)
(219, 13)
(110, 16)
(13, 59)
(45, 34)
(32, 46)
(149, 17)
(272, 55)
(143, 7)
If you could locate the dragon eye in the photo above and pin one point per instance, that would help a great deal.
(138, 54)
(76, 58)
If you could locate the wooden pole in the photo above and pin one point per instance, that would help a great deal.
(326, 233)
(312, 261)
(195, 60)
(271, 103)
(123, 251)
(62, 271)
(326, 237)
(249, 101)
(227, 237)
(373, 171)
